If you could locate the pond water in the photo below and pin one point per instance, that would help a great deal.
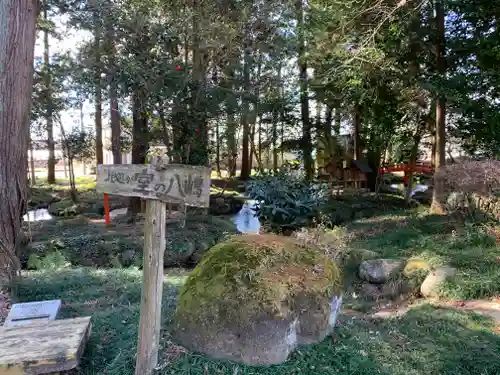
(41, 214)
(245, 220)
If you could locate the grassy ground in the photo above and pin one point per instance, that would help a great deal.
(426, 341)
(474, 249)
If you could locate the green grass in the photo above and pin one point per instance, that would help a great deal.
(438, 240)
(83, 183)
(426, 341)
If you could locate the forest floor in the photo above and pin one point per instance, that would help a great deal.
(401, 337)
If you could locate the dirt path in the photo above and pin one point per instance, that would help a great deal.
(490, 308)
(484, 307)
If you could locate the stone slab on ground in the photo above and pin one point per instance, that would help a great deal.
(431, 286)
(43, 347)
(27, 313)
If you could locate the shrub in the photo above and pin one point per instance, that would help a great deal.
(471, 187)
(287, 201)
(52, 261)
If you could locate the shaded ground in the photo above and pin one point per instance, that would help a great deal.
(425, 341)
(82, 242)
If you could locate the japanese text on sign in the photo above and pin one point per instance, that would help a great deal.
(171, 183)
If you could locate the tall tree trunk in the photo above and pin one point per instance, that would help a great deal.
(232, 145)
(277, 114)
(198, 154)
(433, 148)
(329, 119)
(49, 117)
(357, 129)
(98, 88)
(274, 139)
(113, 98)
(304, 95)
(231, 125)
(245, 116)
(17, 44)
(32, 163)
(337, 121)
(164, 128)
(177, 132)
(319, 107)
(438, 193)
(259, 146)
(253, 152)
(140, 141)
(67, 154)
(413, 160)
(217, 150)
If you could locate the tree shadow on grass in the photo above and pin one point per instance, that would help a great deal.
(112, 298)
(426, 341)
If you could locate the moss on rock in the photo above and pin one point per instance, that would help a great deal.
(253, 298)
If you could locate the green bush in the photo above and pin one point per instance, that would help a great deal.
(51, 261)
(287, 201)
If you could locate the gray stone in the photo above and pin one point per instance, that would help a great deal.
(31, 312)
(310, 330)
(379, 271)
(432, 283)
(264, 342)
(277, 340)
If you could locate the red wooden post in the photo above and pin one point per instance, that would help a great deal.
(107, 217)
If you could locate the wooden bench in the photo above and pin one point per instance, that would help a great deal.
(43, 347)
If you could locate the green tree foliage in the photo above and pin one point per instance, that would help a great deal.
(220, 81)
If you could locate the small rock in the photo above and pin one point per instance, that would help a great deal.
(415, 267)
(432, 283)
(379, 271)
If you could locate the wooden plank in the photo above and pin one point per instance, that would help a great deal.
(43, 347)
(152, 287)
(169, 182)
(29, 312)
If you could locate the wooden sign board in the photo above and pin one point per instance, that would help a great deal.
(168, 183)
(158, 183)
(32, 312)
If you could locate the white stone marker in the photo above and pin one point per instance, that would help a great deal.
(32, 312)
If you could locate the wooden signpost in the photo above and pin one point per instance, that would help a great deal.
(158, 183)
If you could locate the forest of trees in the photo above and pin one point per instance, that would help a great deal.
(213, 80)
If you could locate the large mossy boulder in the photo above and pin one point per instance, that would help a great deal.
(254, 298)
